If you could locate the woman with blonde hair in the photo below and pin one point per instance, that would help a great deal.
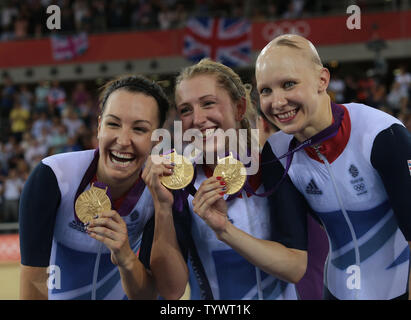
(242, 246)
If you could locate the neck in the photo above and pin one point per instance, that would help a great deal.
(210, 165)
(323, 119)
(118, 188)
(239, 149)
(117, 191)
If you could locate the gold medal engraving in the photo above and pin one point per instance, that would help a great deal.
(92, 202)
(229, 169)
(183, 172)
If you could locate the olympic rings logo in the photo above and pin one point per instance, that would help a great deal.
(272, 30)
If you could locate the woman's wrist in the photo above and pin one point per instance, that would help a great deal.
(162, 206)
(224, 233)
(128, 262)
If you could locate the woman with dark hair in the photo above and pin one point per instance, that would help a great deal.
(94, 259)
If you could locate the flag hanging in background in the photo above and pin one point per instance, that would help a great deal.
(226, 40)
(68, 47)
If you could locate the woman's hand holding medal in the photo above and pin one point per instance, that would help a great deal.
(152, 174)
(93, 208)
(110, 229)
(209, 205)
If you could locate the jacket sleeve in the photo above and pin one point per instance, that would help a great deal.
(39, 202)
(391, 157)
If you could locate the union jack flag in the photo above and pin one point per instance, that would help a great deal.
(226, 40)
(69, 47)
(409, 165)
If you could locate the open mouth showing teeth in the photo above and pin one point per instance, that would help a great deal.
(287, 116)
(121, 158)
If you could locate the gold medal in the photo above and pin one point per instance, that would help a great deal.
(91, 203)
(183, 172)
(230, 170)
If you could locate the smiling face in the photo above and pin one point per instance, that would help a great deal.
(124, 136)
(292, 91)
(204, 105)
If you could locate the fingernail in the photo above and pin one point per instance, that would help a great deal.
(222, 183)
(222, 193)
(173, 164)
(219, 178)
(95, 217)
(224, 188)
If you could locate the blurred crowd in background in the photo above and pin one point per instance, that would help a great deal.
(49, 117)
(22, 19)
(37, 122)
